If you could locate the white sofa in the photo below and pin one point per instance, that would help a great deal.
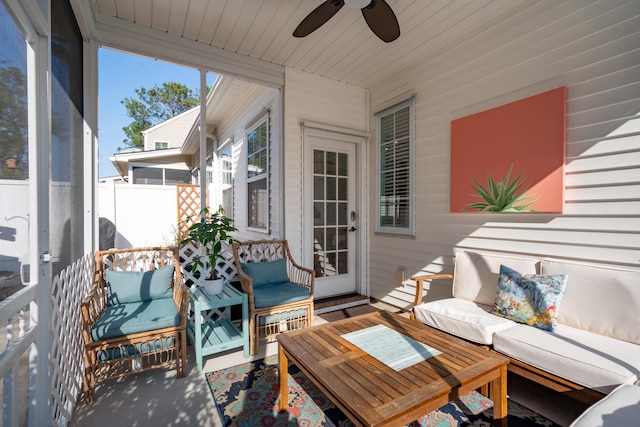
(596, 345)
(619, 408)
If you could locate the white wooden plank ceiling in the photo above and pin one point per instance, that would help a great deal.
(344, 49)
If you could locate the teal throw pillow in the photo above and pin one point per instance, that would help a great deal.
(266, 273)
(532, 299)
(136, 286)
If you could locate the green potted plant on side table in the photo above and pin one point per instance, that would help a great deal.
(210, 232)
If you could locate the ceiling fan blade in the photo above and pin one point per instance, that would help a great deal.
(382, 20)
(318, 17)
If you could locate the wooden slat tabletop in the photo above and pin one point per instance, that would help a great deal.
(373, 394)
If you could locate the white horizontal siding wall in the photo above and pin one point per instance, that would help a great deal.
(254, 102)
(592, 48)
(309, 97)
(174, 131)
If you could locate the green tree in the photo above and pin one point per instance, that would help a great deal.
(13, 122)
(153, 106)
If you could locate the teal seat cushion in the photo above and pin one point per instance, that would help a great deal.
(124, 319)
(266, 273)
(281, 293)
(134, 286)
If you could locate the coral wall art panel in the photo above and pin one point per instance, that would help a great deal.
(527, 136)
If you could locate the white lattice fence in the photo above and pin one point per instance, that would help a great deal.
(225, 268)
(68, 289)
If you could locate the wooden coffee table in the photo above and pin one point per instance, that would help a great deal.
(371, 393)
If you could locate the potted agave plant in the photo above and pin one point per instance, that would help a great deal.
(209, 232)
(502, 196)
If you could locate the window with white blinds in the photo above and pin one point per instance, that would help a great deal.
(395, 169)
(257, 175)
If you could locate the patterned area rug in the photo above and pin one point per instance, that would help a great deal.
(247, 395)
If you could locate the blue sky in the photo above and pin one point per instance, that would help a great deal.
(118, 75)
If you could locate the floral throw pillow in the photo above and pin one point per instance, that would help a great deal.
(532, 299)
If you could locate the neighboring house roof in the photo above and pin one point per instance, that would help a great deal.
(169, 156)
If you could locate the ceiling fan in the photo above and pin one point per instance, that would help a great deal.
(377, 13)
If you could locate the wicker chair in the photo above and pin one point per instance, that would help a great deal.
(115, 327)
(280, 291)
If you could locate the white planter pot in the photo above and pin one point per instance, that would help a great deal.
(213, 287)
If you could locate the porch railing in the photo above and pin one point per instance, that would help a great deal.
(18, 335)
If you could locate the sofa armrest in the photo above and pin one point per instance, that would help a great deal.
(420, 279)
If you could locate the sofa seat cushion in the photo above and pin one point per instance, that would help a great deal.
(278, 294)
(585, 358)
(462, 318)
(621, 407)
(130, 318)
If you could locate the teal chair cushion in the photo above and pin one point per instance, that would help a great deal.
(281, 293)
(129, 318)
(134, 286)
(266, 273)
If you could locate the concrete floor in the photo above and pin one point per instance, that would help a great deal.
(158, 398)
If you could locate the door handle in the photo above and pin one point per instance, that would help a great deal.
(352, 229)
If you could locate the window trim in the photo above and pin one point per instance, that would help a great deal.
(159, 141)
(261, 119)
(401, 231)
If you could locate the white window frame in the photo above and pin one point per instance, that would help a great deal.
(156, 143)
(395, 230)
(261, 120)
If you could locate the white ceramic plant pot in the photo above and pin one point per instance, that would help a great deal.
(213, 287)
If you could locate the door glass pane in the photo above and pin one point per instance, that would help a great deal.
(318, 213)
(330, 265)
(343, 189)
(342, 213)
(318, 162)
(343, 167)
(318, 188)
(331, 188)
(331, 239)
(14, 157)
(331, 163)
(331, 214)
(330, 217)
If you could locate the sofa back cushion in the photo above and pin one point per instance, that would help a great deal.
(476, 274)
(599, 298)
(135, 286)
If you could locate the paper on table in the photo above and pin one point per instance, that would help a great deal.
(392, 348)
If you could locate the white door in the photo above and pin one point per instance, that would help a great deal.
(331, 218)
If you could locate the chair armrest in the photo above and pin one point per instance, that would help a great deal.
(181, 297)
(246, 284)
(301, 276)
(420, 279)
(91, 309)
